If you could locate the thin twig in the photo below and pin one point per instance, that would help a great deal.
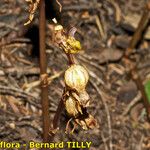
(132, 103)
(107, 113)
(104, 141)
(100, 27)
(60, 6)
(117, 10)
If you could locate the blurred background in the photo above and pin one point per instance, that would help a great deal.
(104, 28)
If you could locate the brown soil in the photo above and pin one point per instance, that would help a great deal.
(103, 49)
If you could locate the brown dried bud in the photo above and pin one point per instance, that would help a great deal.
(76, 77)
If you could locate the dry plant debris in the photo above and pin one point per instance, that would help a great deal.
(32, 8)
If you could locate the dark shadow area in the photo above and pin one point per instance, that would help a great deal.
(33, 34)
(52, 10)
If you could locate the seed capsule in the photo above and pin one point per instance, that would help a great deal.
(76, 77)
(72, 107)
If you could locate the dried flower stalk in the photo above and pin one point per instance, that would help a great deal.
(75, 97)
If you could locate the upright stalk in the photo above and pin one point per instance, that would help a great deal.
(43, 68)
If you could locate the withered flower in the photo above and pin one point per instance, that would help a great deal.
(87, 122)
(66, 42)
(73, 107)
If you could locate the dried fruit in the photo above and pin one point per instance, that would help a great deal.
(76, 77)
(72, 107)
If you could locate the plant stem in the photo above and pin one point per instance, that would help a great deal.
(70, 59)
(43, 68)
(140, 86)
